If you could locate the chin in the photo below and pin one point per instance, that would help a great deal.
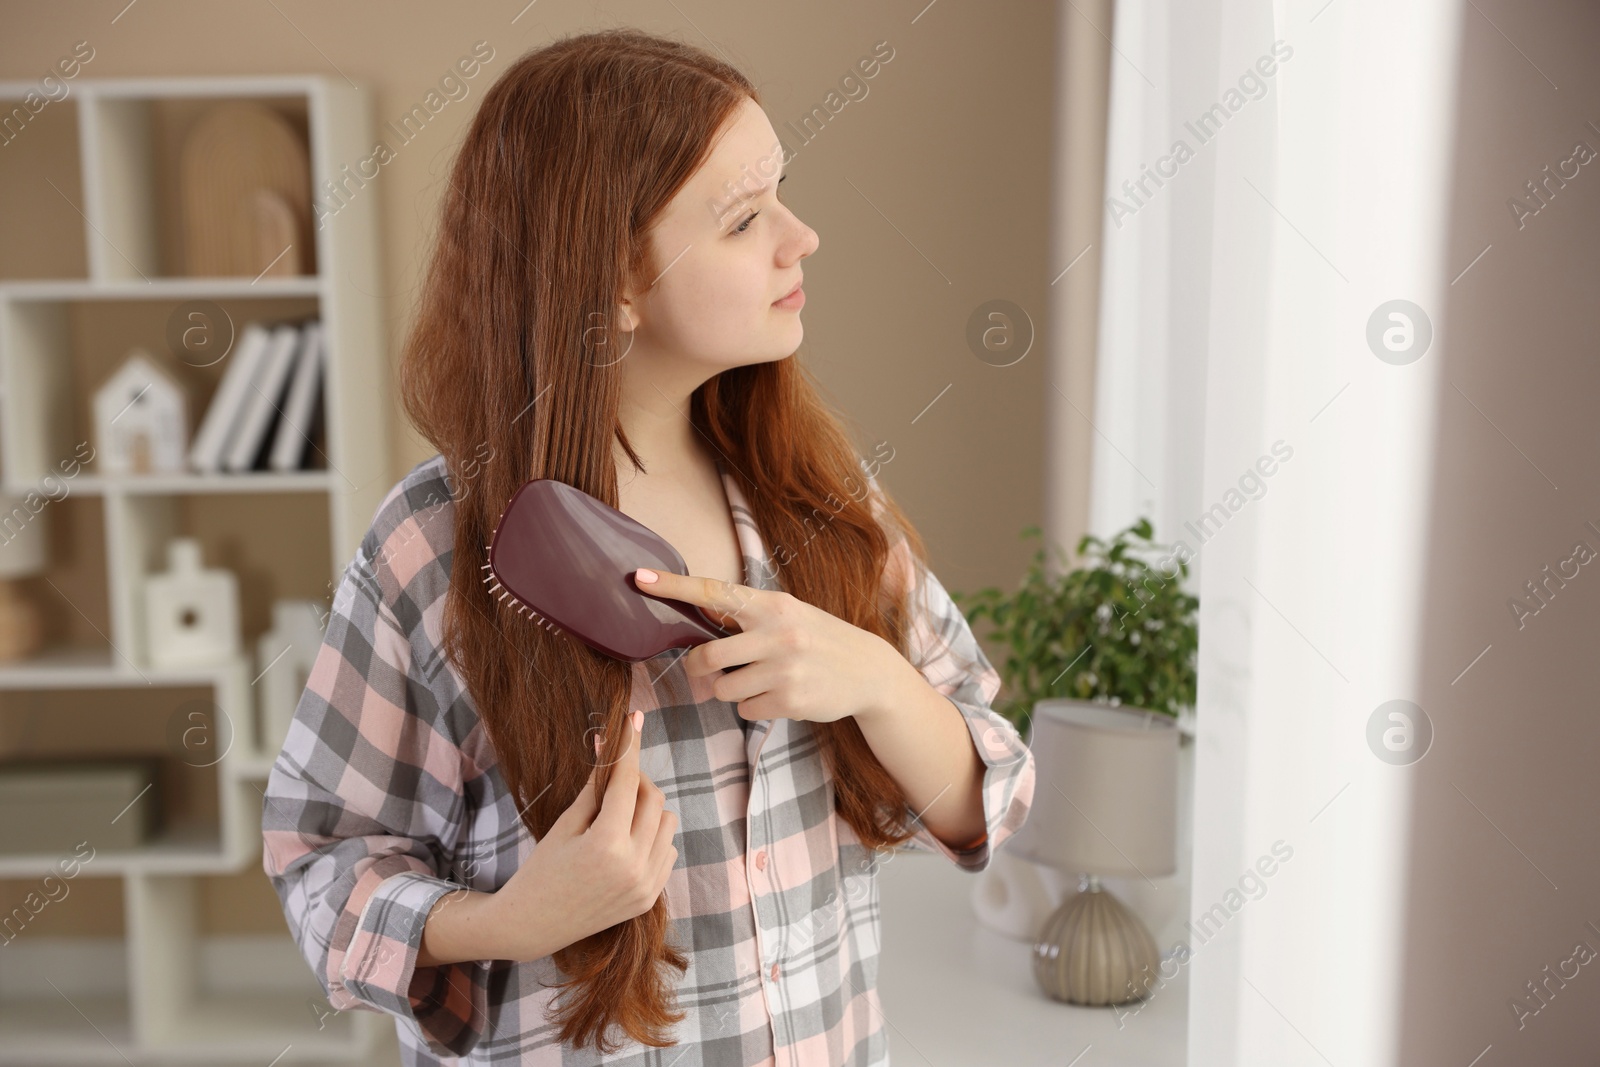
(783, 352)
(758, 358)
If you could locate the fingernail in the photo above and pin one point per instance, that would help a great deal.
(646, 575)
(638, 720)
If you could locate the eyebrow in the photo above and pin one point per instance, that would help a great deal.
(757, 192)
(730, 216)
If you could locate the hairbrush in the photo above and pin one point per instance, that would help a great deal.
(567, 560)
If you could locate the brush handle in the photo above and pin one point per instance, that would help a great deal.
(694, 615)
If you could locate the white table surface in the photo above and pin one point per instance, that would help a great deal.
(957, 994)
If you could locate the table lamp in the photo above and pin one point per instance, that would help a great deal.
(1106, 805)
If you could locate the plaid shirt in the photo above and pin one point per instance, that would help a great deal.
(386, 795)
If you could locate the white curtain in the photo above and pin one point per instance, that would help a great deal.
(1150, 370)
(1239, 406)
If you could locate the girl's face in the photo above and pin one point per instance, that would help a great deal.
(724, 251)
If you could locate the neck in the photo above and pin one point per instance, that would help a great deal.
(655, 419)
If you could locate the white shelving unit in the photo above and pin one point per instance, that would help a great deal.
(167, 992)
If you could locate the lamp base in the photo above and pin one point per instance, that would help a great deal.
(1094, 951)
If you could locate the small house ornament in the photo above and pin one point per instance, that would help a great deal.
(140, 421)
(191, 614)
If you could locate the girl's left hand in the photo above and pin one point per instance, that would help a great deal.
(801, 662)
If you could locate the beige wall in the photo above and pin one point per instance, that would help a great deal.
(951, 146)
(1504, 869)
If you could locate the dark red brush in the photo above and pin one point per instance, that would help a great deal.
(567, 561)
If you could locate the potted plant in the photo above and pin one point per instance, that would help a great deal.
(1115, 630)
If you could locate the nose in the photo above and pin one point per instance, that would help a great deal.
(809, 241)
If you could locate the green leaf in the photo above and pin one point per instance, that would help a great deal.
(1047, 624)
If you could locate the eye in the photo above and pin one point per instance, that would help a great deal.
(778, 192)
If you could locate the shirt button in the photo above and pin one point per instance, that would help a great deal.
(761, 860)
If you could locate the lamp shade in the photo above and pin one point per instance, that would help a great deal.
(1107, 802)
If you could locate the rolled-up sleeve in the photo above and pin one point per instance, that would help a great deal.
(945, 651)
(363, 809)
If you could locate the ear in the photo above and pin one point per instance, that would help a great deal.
(627, 314)
(618, 335)
(629, 309)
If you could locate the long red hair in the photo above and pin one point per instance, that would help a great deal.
(573, 153)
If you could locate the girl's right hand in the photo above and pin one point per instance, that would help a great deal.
(598, 865)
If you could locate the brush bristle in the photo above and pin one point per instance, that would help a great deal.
(500, 593)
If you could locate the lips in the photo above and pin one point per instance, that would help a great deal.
(791, 292)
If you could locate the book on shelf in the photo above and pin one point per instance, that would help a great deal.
(263, 399)
(299, 406)
(265, 409)
(210, 442)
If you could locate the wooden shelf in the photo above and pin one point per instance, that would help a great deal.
(59, 339)
(307, 481)
(254, 768)
(173, 850)
(71, 289)
(96, 668)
